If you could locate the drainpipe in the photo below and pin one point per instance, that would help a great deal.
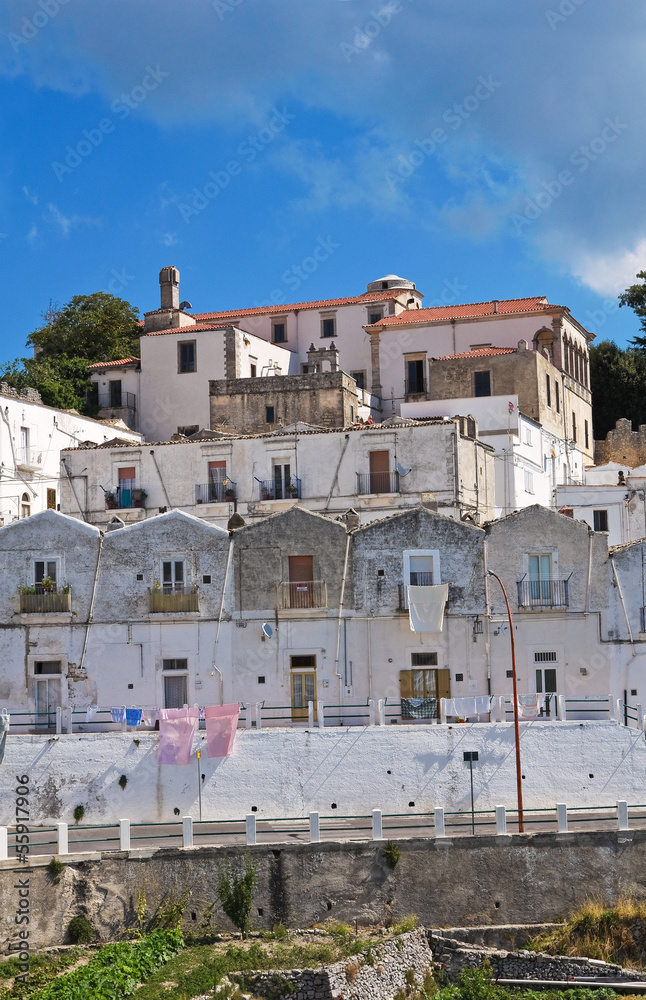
(630, 634)
(487, 614)
(456, 489)
(336, 471)
(13, 452)
(67, 473)
(589, 574)
(221, 612)
(338, 631)
(91, 611)
(161, 480)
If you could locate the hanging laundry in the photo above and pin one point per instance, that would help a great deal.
(5, 722)
(221, 725)
(118, 714)
(426, 607)
(176, 729)
(149, 717)
(133, 716)
(528, 705)
(90, 712)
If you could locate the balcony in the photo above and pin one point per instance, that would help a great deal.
(377, 482)
(415, 386)
(225, 492)
(303, 595)
(29, 459)
(36, 601)
(543, 593)
(277, 489)
(122, 497)
(173, 600)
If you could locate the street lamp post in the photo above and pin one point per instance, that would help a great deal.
(519, 780)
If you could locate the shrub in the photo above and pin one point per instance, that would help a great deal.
(392, 853)
(79, 813)
(123, 781)
(80, 930)
(408, 923)
(235, 891)
(55, 869)
(352, 971)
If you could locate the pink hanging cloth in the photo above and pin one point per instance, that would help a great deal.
(176, 729)
(221, 725)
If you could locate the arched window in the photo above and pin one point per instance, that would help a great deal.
(25, 505)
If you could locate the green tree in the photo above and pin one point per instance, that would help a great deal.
(635, 297)
(617, 381)
(235, 890)
(90, 328)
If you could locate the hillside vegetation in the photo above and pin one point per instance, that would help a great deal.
(616, 934)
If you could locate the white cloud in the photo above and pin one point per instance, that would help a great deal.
(67, 222)
(168, 239)
(33, 237)
(30, 195)
(609, 274)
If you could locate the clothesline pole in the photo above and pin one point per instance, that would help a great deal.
(519, 786)
(199, 782)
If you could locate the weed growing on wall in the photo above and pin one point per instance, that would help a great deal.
(235, 891)
(392, 853)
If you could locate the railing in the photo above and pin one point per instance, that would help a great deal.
(216, 492)
(29, 458)
(415, 385)
(543, 593)
(176, 599)
(377, 482)
(66, 838)
(114, 400)
(306, 594)
(276, 489)
(416, 580)
(125, 496)
(46, 602)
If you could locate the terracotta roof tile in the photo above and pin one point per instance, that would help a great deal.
(479, 352)
(114, 364)
(470, 309)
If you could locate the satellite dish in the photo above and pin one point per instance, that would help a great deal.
(267, 631)
(401, 470)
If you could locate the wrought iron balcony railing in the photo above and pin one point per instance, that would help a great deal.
(278, 489)
(543, 593)
(123, 496)
(216, 492)
(415, 385)
(306, 594)
(377, 482)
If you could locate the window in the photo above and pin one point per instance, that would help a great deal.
(47, 667)
(574, 427)
(482, 383)
(328, 326)
(600, 520)
(529, 481)
(301, 581)
(175, 683)
(548, 391)
(127, 482)
(546, 680)
(51, 499)
(556, 396)
(282, 480)
(115, 392)
(528, 435)
(186, 356)
(379, 471)
(45, 575)
(360, 379)
(253, 369)
(586, 434)
(421, 569)
(25, 505)
(375, 317)
(415, 381)
(173, 576)
(269, 414)
(424, 659)
(545, 657)
(279, 331)
(24, 441)
(421, 689)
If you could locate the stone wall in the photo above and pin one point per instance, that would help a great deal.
(376, 974)
(622, 445)
(456, 955)
(472, 880)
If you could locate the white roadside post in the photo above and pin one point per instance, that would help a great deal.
(439, 822)
(501, 821)
(561, 817)
(124, 834)
(251, 829)
(315, 828)
(377, 825)
(62, 838)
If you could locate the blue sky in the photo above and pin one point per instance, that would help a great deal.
(484, 151)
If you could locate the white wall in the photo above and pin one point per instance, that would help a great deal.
(290, 772)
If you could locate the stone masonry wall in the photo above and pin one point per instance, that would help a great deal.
(376, 974)
(622, 445)
(456, 955)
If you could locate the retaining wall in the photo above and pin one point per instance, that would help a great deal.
(290, 772)
(471, 880)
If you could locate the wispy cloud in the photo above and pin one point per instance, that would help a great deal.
(68, 222)
(30, 195)
(33, 237)
(168, 239)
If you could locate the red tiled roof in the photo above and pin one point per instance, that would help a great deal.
(479, 352)
(114, 364)
(471, 309)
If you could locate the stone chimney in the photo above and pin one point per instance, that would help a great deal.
(169, 287)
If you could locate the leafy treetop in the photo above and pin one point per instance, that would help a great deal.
(97, 327)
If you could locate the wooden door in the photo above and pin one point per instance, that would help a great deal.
(303, 683)
(380, 472)
(301, 581)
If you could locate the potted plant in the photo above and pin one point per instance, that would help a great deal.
(292, 489)
(48, 585)
(267, 495)
(229, 493)
(157, 587)
(111, 501)
(138, 497)
(29, 589)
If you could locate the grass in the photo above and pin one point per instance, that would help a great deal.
(611, 934)
(42, 969)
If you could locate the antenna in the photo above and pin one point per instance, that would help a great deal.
(267, 631)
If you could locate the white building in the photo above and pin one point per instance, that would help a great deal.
(32, 436)
(610, 498)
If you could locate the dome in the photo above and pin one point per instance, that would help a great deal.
(390, 281)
